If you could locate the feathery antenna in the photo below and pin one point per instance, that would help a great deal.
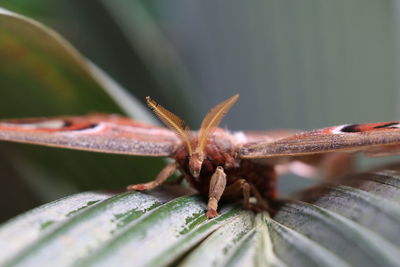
(212, 119)
(173, 122)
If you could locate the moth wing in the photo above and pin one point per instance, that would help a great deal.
(249, 138)
(100, 133)
(372, 138)
(267, 136)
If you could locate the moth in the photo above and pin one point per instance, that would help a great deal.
(216, 162)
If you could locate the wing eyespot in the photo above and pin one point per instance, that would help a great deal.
(352, 128)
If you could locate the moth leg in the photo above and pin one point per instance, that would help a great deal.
(161, 177)
(217, 188)
(240, 187)
(260, 200)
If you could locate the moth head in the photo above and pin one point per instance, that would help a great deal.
(195, 149)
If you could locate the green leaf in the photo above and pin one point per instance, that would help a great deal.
(50, 77)
(356, 244)
(222, 242)
(24, 231)
(296, 249)
(339, 225)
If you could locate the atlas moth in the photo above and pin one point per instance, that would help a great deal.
(216, 162)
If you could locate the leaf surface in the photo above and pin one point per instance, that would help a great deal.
(347, 224)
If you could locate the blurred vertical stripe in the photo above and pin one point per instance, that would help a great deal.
(297, 64)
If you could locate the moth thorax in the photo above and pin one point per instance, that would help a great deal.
(195, 163)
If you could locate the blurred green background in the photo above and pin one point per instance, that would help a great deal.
(296, 64)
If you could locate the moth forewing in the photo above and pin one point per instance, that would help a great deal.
(98, 133)
(326, 140)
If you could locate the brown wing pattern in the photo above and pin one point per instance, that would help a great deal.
(101, 133)
(372, 137)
